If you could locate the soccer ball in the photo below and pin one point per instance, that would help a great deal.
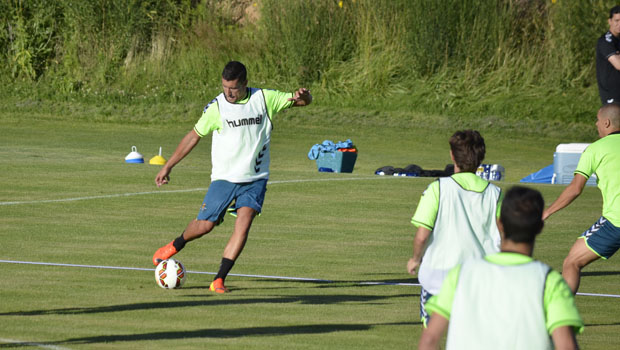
(170, 274)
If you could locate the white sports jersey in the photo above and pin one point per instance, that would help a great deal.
(240, 150)
(465, 228)
(481, 315)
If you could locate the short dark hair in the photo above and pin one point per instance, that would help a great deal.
(468, 149)
(614, 10)
(521, 214)
(612, 112)
(235, 70)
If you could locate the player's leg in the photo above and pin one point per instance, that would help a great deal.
(196, 229)
(236, 243)
(245, 216)
(578, 257)
(248, 204)
(602, 240)
(211, 214)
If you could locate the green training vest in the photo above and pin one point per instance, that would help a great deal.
(499, 307)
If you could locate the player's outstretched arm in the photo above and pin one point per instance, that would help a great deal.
(301, 97)
(572, 191)
(185, 146)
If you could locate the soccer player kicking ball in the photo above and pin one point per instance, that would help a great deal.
(506, 300)
(602, 157)
(240, 119)
(455, 218)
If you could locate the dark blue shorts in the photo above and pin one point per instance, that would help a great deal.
(603, 238)
(424, 296)
(221, 195)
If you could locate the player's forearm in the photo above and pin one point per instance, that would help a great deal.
(572, 191)
(564, 338)
(419, 242)
(183, 149)
(562, 202)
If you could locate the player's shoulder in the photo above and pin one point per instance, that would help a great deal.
(469, 181)
(430, 194)
(494, 187)
(433, 186)
(272, 92)
(608, 143)
(254, 90)
(607, 38)
(212, 104)
(607, 45)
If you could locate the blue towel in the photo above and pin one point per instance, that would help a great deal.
(344, 144)
(327, 147)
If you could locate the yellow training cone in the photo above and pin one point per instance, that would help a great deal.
(158, 159)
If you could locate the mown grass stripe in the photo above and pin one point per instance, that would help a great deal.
(129, 194)
(304, 279)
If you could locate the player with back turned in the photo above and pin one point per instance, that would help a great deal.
(506, 300)
(455, 218)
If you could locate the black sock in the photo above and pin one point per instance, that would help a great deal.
(179, 243)
(225, 267)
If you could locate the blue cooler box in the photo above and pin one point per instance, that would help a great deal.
(565, 160)
(337, 162)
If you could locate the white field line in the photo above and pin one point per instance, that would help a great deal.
(212, 273)
(27, 343)
(305, 279)
(153, 269)
(202, 189)
(129, 194)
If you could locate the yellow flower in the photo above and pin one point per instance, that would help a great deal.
(340, 4)
(553, 1)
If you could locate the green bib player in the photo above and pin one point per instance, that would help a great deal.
(455, 218)
(240, 119)
(602, 158)
(506, 300)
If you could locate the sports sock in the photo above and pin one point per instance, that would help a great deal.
(225, 267)
(179, 243)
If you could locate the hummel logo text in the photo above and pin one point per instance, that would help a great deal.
(245, 121)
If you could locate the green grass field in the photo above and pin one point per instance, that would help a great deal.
(68, 198)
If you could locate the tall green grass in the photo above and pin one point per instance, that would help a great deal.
(508, 58)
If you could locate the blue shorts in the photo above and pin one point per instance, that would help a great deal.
(424, 296)
(603, 238)
(221, 195)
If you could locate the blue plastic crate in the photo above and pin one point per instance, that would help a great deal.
(338, 162)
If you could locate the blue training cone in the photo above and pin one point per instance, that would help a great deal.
(134, 156)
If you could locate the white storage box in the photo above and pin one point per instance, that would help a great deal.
(565, 160)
